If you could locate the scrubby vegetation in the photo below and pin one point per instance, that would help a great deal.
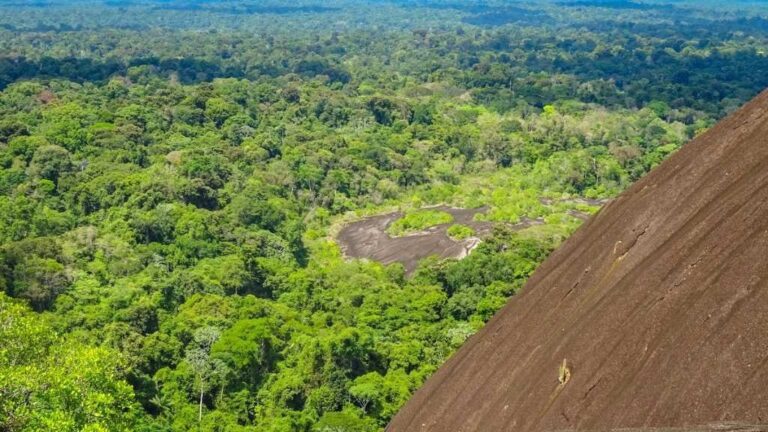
(169, 178)
(460, 232)
(418, 220)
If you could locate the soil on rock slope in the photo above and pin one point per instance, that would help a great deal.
(658, 304)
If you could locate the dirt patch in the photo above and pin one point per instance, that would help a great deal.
(368, 238)
(659, 303)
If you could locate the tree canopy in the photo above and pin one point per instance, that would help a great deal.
(172, 176)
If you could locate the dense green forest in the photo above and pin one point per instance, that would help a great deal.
(172, 175)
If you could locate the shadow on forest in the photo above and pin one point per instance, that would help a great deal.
(685, 27)
(509, 15)
(188, 70)
(32, 4)
(616, 4)
(247, 9)
(486, 15)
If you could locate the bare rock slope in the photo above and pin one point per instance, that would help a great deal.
(658, 305)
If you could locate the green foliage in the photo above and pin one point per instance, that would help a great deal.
(50, 162)
(250, 347)
(418, 220)
(51, 384)
(38, 280)
(345, 421)
(460, 232)
(168, 190)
